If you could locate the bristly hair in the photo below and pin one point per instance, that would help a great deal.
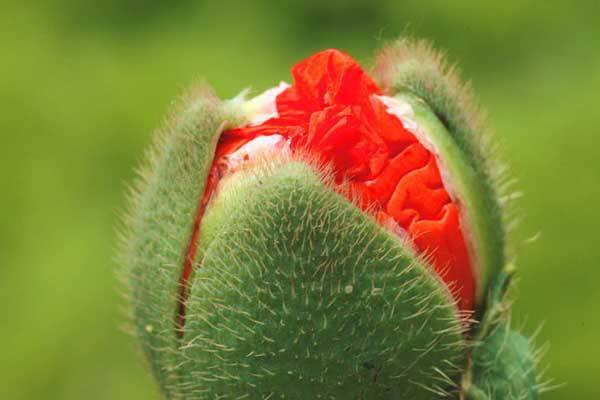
(416, 66)
(158, 220)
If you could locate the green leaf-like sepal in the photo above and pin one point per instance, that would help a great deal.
(163, 208)
(417, 75)
(503, 367)
(298, 294)
(501, 364)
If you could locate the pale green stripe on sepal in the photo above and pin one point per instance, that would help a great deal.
(298, 294)
(414, 69)
(163, 206)
(415, 66)
(480, 216)
(502, 363)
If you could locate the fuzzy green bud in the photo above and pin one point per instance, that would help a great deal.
(269, 280)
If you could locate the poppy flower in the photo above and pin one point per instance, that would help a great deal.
(338, 237)
(335, 111)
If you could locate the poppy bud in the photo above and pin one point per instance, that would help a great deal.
(330, 238)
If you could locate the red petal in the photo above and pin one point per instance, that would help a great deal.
(381, 188)
(332, 77)
(444, 240)
(332, 111)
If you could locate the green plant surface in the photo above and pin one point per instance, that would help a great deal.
(84, 84)
(338, 309)
(503, 367)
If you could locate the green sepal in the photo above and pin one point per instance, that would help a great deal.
(408, 66)
(415, 73)
(483, 227)
(444, 107)
(298, 294)
(163, 204)
(503, 362)
(503, 367)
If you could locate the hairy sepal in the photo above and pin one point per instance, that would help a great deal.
(444, 108)
(163, 204)
(503, 367)
(418, 68)
(298, 294)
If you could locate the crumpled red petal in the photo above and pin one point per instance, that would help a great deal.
(331, 111)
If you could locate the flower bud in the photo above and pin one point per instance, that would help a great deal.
(326, 239)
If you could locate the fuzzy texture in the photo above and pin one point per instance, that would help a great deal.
(414, 68)
(299, 295)
(295, 292)
(503, 368)
(163, 204)
(417, 67)
(335, 111)
(502, 362)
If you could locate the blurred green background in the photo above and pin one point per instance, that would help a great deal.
(83, 84)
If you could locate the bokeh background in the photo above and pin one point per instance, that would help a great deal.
(83, 84)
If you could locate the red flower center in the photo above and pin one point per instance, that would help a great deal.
(333, 112)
